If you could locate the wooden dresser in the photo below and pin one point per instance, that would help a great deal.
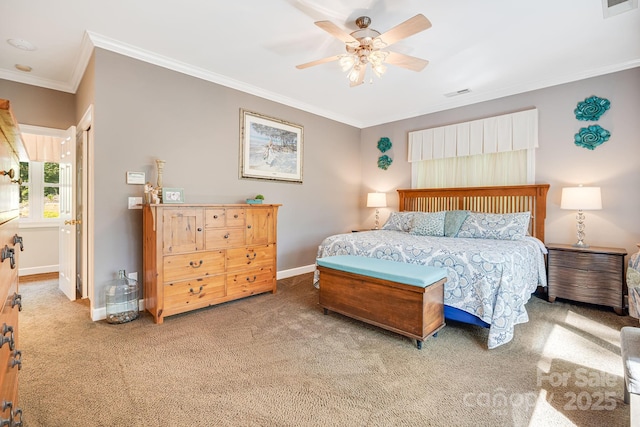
(11, 149)
(195, 256)
(593, 275)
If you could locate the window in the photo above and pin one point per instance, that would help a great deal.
(40, 190)
(508, 168)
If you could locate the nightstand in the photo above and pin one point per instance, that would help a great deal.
(593, 275)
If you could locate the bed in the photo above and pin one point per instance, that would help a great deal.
(489, 239)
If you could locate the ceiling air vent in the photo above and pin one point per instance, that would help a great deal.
(456, 93)
(616, 7)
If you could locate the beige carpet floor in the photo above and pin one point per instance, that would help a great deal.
(277, 360)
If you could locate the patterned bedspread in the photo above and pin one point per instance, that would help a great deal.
(490, 279)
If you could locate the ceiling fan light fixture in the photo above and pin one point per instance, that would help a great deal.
(379, 69)
(364, 46)
(346, 62)
(377, 57)
(354, 74)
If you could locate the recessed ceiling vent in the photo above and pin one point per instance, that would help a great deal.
(616, 7)
(456, 93)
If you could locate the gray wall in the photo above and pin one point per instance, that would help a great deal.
(144, 112)
(38, 106)
(614, 166)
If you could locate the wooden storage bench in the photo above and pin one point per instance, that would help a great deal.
(403, 298)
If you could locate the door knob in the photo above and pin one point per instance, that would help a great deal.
(72, 222)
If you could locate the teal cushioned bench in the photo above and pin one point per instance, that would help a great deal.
(400, 297)
(401, 272)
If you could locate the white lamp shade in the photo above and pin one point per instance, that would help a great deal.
(376, 200)
(581, 198)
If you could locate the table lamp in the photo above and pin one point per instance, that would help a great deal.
(377, 200)
(581, 199)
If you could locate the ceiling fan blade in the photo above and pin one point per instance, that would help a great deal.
(406, 61)
(401, 31)
(338, 32)
(318, 62)
(360, 77)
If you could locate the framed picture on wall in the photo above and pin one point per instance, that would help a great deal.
(270, 148)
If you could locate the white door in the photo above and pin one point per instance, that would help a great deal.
(68, 220)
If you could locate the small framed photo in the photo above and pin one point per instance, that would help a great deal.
(172, 195)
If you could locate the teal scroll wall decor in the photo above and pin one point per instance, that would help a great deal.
(591, 109)
(384, 145)
(591, 136)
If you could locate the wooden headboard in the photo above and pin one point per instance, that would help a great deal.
(502, 199)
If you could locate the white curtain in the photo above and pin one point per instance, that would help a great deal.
(508, 168)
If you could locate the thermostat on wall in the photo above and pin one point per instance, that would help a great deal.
(135, 178)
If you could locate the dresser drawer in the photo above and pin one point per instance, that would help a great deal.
(604, 280)
(224, 237)
(214, 218)
(251, 282)
(576, 285)
(254, 256)
(193, 265)
(224, 217)
(235, 217)
(586, 261)
(191, 294)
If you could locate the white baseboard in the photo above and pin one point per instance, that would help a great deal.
(101, 312)
(27, 271)
(284, 274)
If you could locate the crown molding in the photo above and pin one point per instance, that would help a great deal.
(116, 46)
(26, 78)
(477, 97)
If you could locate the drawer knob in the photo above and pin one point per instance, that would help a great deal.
(16, 359)
(195, 264)
(250, 280)
(226, 236)
(17, 418)
(251, 258)
(249, 226)
(215, 217)
(191, 291)
(199, 229)
(236, 216)
(18, 240)
(16, 299)
(8, 252)
(11, 339)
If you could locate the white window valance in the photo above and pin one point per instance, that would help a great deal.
(42, 148)
(508, 132)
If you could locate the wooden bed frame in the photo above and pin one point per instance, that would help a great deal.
(502, 199)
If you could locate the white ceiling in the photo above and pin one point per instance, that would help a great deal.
(493, 47)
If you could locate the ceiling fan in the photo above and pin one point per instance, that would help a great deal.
(364, 46)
